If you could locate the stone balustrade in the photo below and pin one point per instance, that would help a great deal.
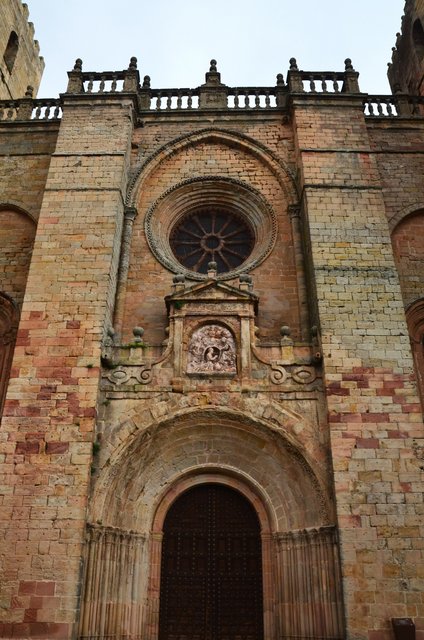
(322, 82)
(30, 109)
(171, 99)
(213, 94)
(393, 105)
(103, 82)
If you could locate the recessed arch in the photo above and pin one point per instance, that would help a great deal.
(151, 453)
(13, 205)
(9, 318)
(404, 213)
(178, 448)
(232, 139)
(415, 322)
(408, 249)
(17, 234)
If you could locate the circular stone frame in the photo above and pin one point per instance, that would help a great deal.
(193, 195)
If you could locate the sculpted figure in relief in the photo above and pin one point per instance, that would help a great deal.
(212, 350)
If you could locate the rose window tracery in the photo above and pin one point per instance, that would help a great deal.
(212, 235)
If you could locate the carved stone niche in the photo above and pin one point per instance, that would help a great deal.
(212, 328)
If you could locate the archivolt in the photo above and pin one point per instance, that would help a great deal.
(148, 455)
(278, 167)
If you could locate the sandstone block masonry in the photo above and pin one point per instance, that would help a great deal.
(312, 415)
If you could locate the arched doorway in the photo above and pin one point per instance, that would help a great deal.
(211, 575)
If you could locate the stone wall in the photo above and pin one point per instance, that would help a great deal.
(49, 416)
(373, 409)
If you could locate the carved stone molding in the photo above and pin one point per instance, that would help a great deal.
(302, 374)
(130, 374)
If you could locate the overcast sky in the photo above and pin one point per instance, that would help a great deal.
(252, 40)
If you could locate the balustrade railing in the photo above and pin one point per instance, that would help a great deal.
(393, 105)
(322, 82)
(186, 99)
(103, 82)
(30, 109)
(252, 98)
(171, 99)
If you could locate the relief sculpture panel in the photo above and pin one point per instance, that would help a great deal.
(212, 350)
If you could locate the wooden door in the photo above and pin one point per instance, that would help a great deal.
(211, 577)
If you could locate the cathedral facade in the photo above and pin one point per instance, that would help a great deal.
(212, 357)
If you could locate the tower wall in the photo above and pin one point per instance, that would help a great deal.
(20, 61)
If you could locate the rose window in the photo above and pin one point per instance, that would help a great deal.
(211, 235)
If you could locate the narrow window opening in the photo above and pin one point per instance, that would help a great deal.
(11, 51)
(418, 38)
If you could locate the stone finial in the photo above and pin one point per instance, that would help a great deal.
(133, 63)
(280, 80)
(138, 333)
(29, 93)
(212, 269)
(245, 282)
(213, 94)
(178, 282)
(146, 82)
(294, 77)
(212, 76)
(75, 78)
(179, 278)
(351, 84)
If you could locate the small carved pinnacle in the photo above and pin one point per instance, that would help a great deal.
(212, 266)
(146, 82)
(213, 66)
(29, 91)
(293, 64)
(133, 63)
(348, 65)
(111, 332)
(78, 65)
(280, 80)
(244, 277)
